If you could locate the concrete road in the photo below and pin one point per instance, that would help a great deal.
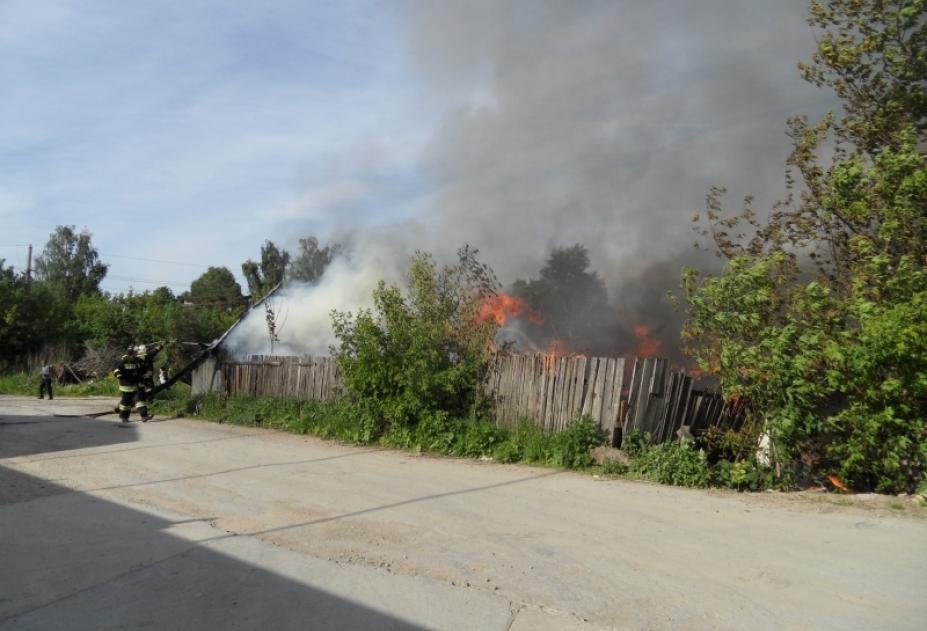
(184, 524)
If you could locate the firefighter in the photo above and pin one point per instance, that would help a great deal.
(129, 373)
(146, 354)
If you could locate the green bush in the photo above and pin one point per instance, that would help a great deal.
(419, 356)
(439, 433)
(673, 463)
(743, 475)
(525, 443)
(570, 448)
(688, 464)
(819, 317)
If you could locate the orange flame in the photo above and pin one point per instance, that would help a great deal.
(555, 350)
(503, 307)
(647, 345)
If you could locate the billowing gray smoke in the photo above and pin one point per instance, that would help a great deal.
(603, 123)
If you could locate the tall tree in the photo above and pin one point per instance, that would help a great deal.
(70, 264)
(312, 260)
(216, 287)
(31, 318)
(264, 276)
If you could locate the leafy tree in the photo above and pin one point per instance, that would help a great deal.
(216, 287)
(421, 353)
(571, 299)
(820, 318)
(871, 53)
(70, 264)
(7, 273)
(32, 318)
(108, 321)
(269, 273)
(312, 260)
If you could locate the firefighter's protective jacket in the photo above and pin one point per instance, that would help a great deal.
(129, 373)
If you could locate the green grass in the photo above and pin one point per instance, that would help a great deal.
(344, 421)
(28, 384)
(670, 463)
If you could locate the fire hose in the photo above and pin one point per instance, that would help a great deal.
(205, 351)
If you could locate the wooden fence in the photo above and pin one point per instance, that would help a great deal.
(549, 391)
(314, 378)
(554, 391)
(661, 401)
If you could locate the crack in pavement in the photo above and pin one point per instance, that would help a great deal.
(514, 611)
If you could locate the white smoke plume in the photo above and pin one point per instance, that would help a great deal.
(303, 311)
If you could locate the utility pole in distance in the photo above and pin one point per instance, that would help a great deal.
(29, 268)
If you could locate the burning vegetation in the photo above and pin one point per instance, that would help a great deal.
(503, 307)
(566, 311)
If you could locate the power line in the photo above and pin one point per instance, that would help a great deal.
(138, 258)
(126, 279)
(119, 256)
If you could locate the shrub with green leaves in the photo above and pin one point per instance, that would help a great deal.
(418, 355)
(819, 318)
(688, 463)
(571, 447)
(673, 463)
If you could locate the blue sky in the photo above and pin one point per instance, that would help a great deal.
(191, 131)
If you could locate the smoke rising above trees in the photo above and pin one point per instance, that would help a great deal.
(601, 123)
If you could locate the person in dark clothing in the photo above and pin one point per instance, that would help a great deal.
(146, 354)
(45, 381)
(129, 373)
